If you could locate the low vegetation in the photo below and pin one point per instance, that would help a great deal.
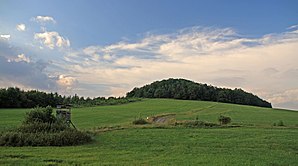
(196, 124)
(42, 128)
(279, 123)
(139, 121)
(224, 120)
(170, 121)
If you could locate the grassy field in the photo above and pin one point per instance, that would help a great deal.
(257, 142)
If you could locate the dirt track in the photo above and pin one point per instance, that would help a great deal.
(163, 118)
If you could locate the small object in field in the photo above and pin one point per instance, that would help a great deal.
(63, 112)
(223, 120)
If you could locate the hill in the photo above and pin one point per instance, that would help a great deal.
(189, 90)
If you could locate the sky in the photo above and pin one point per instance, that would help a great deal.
(108, 47)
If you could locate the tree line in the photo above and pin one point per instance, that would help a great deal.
(189, 90)
(14, 97)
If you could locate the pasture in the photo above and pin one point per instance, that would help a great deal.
(255, 142)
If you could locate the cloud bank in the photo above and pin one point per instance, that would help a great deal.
(265, 66)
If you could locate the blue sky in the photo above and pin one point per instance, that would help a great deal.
(106, 47)
(106, 22)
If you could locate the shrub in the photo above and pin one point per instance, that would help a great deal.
(62, 138)
(223, 120)
(139, 121)
(41, 128)
(280, 123)
(40, 115)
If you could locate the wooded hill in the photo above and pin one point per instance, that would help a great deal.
(189, 90)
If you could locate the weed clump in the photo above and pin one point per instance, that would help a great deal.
(139, 121)
(279, 123)
(223, 120)
(42, 128)
(195, 124)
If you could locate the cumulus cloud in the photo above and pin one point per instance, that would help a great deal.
(67, 81)
(25, 74)
(21, 27)
(17, 69)
(5, 36)
(44, 19)
(52, 39)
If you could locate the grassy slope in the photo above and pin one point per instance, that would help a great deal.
(258, 145)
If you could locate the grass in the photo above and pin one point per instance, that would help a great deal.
(11, 118)
(245, 146)
(258, 142)
(90, 117)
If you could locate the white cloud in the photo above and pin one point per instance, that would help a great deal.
(5, 36)
(285, 96)
(264, 66)
(285, 99)
(21, 27)
(21, 71)
(20, 58)
(67, 83)
(52, 39)
(293, 27)
(44, 19)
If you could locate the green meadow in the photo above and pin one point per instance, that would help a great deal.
(255, 140)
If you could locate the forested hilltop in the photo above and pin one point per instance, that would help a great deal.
(14, 97)
(189, 90)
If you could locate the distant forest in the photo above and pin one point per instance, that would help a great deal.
(189, 90)
(13, 97)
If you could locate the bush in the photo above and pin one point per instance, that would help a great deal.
(40, 115)
(62, 138)
(223, 120)
(280, 123)
(41, 128)
(139, 121)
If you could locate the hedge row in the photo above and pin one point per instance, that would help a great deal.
(62, 138)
